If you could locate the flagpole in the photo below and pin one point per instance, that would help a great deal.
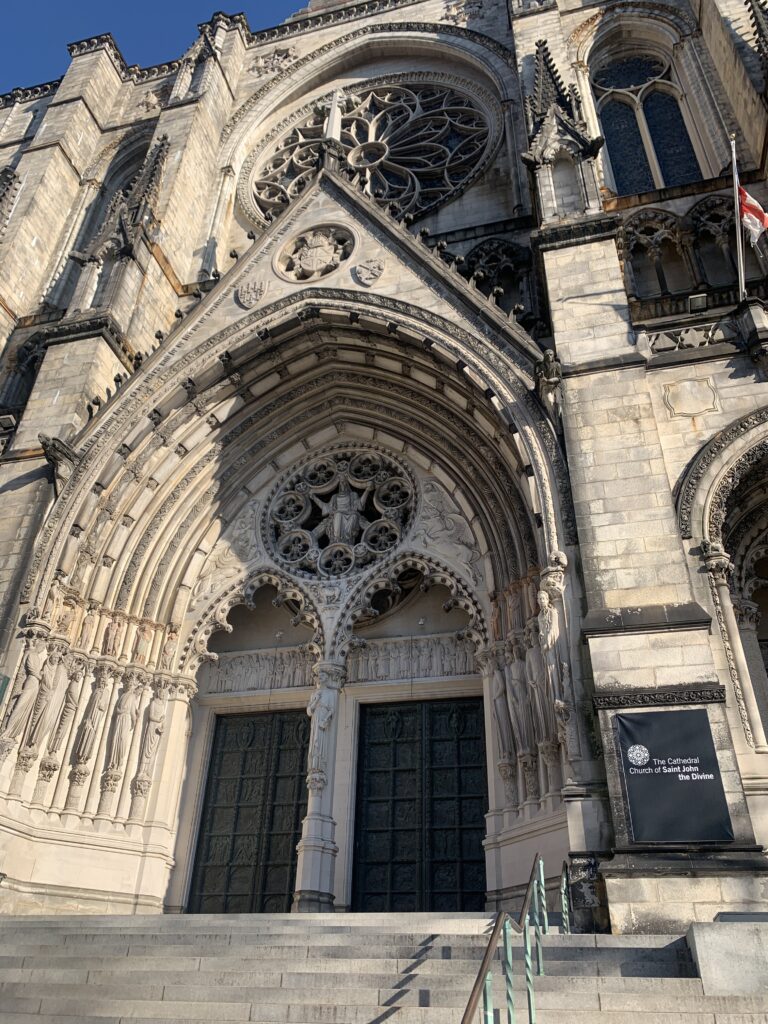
(737, 215)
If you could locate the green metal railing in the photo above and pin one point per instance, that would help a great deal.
(533, 916)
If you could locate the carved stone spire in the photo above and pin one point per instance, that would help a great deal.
(758, 15)
(548, 89)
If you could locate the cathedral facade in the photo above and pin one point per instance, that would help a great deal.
(383, 466)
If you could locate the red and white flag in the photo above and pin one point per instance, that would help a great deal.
(752, 215)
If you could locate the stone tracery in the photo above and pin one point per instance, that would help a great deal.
(409, 143)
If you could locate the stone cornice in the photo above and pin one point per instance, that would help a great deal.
(353, 12)
(578, 232)
(33, 92)
(99, 326)
(663, 697)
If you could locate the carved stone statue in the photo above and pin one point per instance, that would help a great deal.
(123, 723)
(549, 380)
(549, 631)
(142, 644)
(321, 709)
(50, 697)
(342, 516)
(169, 649)
(88, 630)
(111, 634)
(500, 707)
(71, 697)
(96, 708)
(153, 731)
(25, 701)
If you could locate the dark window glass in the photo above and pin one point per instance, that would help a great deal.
(629, 73)
(674, 151)
(625, 148)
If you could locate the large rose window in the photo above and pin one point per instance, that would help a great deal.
(339, 512)
(411, 145)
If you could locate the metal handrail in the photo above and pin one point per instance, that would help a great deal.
(565, 898)
(533, 910)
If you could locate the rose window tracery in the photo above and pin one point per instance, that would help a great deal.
(339, 512)
(413, 145)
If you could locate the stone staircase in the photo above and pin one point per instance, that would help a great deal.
(333, 969)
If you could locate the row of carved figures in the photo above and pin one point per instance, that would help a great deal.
(93, 726)
(96, 630)
(534, 708)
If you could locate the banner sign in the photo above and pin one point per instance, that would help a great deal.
(673, 784)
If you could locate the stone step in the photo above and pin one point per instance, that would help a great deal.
(437, 950)
(127, 973)
(440, 997)
(87, 1008)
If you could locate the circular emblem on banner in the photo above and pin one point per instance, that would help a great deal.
(638, 754)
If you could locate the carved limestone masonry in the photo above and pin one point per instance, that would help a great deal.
(89, 732)
(61, 456)
(9, 188)
(23, 703)
(549, 384)
(720, 570)
(414, 657)
(154, 726)
(124, 718)
(339, 512)
(409, 144)
(270, 63)
(266, 669)
(557, 131)
(443, 529)
(315, 254)
(322, 708)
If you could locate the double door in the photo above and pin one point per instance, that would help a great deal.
(421, 804)
(255, 802)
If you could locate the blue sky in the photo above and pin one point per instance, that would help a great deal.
(34, 33)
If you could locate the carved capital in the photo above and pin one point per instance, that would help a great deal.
(717, 562)
(329, 674)
(747, 613)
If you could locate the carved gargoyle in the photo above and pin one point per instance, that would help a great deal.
(61, 456)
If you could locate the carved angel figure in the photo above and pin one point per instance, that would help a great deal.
(443, 525)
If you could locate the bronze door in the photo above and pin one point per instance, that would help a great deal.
(255, 801)
(421, 804)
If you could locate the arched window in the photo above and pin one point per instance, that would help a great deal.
(645, 130)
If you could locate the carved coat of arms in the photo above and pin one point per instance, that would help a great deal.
(369, 271)
(250, 293)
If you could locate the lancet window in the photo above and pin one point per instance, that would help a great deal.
(642, 112)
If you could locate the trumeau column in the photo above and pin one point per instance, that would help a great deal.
(317, 847)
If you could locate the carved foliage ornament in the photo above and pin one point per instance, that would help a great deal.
(413, 145)
(339, 512)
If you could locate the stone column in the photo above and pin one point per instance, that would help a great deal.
(162, 799)
(317, 847)
(748, 617)
(720, 568)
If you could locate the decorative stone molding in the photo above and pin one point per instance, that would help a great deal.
(663, 697)
(708, 455)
